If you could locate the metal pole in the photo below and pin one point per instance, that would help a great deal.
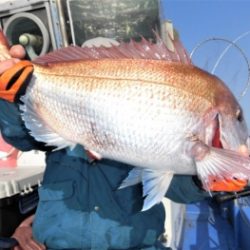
(62, 23)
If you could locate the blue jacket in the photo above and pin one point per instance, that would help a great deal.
(80, 206)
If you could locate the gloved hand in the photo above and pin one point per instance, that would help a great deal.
(23, 235)
(14, 72)
(232, 185)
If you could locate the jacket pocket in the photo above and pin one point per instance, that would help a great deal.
(57, 220)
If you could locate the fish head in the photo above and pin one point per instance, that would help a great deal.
(233, 130)
(232, 124)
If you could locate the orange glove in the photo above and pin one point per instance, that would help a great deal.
(13, 79)
(232, 185)
(14, 72)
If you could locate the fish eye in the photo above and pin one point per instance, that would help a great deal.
(239, 115)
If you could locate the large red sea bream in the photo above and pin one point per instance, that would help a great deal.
(140, 104)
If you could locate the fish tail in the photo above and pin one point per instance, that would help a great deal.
(4, 47)
(224, 166)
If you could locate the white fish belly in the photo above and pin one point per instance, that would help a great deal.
(135, 125)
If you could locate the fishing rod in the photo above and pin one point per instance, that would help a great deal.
(223, 197)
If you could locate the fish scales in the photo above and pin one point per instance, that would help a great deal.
(185, 77)
(117, 111)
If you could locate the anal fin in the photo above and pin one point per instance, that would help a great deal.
(155, 184)
(134, 177)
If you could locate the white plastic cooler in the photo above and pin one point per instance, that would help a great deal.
(18, 190)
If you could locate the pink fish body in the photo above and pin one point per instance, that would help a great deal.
(158, 115)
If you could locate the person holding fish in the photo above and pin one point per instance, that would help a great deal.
(92, 196)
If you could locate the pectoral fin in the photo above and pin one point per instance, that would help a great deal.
(221, 164)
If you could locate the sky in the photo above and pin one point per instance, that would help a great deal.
(200, 20)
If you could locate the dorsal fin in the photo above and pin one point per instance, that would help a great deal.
(133, 50)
